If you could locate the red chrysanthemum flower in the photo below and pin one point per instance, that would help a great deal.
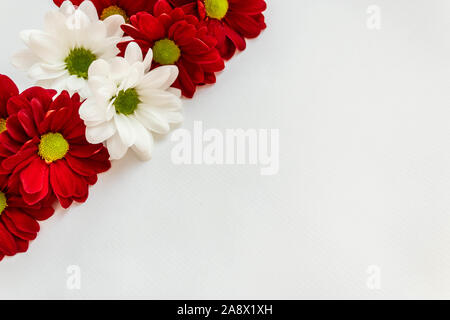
(229, 21)
(18, 222)
(7, 90)
(125, 8)
(50, 154)
(177, 39)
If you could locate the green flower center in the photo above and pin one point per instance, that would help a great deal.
(53, 147)
(166, 51)
(78, 62)
(2, 125)
(216, 9)
(112, 10)
(3, 202)
(127, 101)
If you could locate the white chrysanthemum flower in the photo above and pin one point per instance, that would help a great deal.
(59, 56)
(129, 103)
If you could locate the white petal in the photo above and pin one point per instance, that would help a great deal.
(84, 91)
(91, 110)
(24, 59)
(99, 68)
(135, 75)
(93, 123)
(89, 9)
(95, 35)
(113, 24)
(54, 67)
(159, 78)
(78, 21)
(54, 22)
(100, 133)
(67, 8)
(133, 53)
(107, 49)
(160, 99)
(37, 72)
(75, 83)
(102, 88)
(152, 120)
(25, 35)
(111, 110)
(175, 91)
(148, 60)
(125, 129)
(119, 68)
(116, 148)
(45, 47)
(143, 146)
(58, 84)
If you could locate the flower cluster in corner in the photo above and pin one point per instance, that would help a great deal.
(109, 75)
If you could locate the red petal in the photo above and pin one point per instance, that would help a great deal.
(34, 198)
(22, 221)
(45, 96)
(9, 143)
(38, 113)
(235, 37)
(21, 157)
(185, 81)
(92, 180)
(15, 129)
(250, 7)
(182, 32)
(60, 118)
(65, 202)
(227, 49)
(35, 176)
(75, 2)
(22, 245)
(74, 132)
(161, 7)
(8, 246)
(244, 25)
(84, 150)
(40, 214)
(27, 123)
(17, 103)
(16, 232)
(150, 26)
(7, 90)
(87, 167)
(62, 179)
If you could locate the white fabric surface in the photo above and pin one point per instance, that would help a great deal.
(364, 174)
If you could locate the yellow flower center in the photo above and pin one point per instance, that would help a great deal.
(112, 10)
(53, 147)
(166, 52)
(3, 202)
(216, 9)
(2, 125)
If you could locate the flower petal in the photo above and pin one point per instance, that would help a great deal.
(35, 176)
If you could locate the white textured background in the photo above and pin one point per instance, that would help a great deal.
(364, 118)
